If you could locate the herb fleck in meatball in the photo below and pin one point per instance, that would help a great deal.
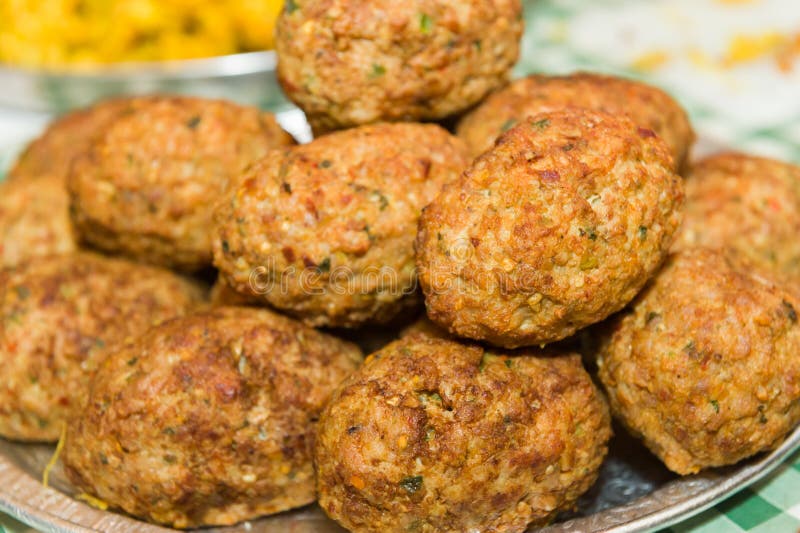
(646, 105)
(147, 185)
(207, 419)
(58, 316)
(750, 204)
(351, 62)
(705, 365)
(325, 231)
(554, 229)
(34, 219)
(432, 435)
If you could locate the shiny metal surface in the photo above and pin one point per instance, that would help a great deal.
(681, 498)
(634, 493)
(246, 78)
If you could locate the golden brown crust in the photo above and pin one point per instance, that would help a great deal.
(557, 227)
(746, 203)
(646, 105)
(207, 419)
(147, 185)
(51, 154)
(353, 62)
(59, 315)
(34, 219)
(705, 365)
(325, 230)
(432, 435)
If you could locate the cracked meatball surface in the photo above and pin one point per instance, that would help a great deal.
(433, 435)
(147, 185)
(750, 204)
(647, 106)
(58, 317)
(207, 419)
(704, 367)
(554, 229)
(353, 62)
(325, 231)
(34, 219)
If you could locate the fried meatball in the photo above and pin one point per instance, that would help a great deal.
(557, 227)
(58, 316)
(646, 105)
(34, 219)
(747, 203)
(52, 153)
(147, 185)
(207, 419)
(325, 231)
(705, 365)
(352, 62)
(433, 435)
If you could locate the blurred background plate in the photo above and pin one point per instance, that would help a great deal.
(247, 78)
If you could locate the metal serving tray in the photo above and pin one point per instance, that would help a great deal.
(634, 493)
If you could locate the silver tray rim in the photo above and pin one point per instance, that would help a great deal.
(22, 497)
(661, 508)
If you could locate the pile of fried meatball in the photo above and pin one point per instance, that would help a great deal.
(555, 206)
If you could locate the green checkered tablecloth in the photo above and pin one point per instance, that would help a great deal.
(9, 525)
(732, 63)
(771, 506)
